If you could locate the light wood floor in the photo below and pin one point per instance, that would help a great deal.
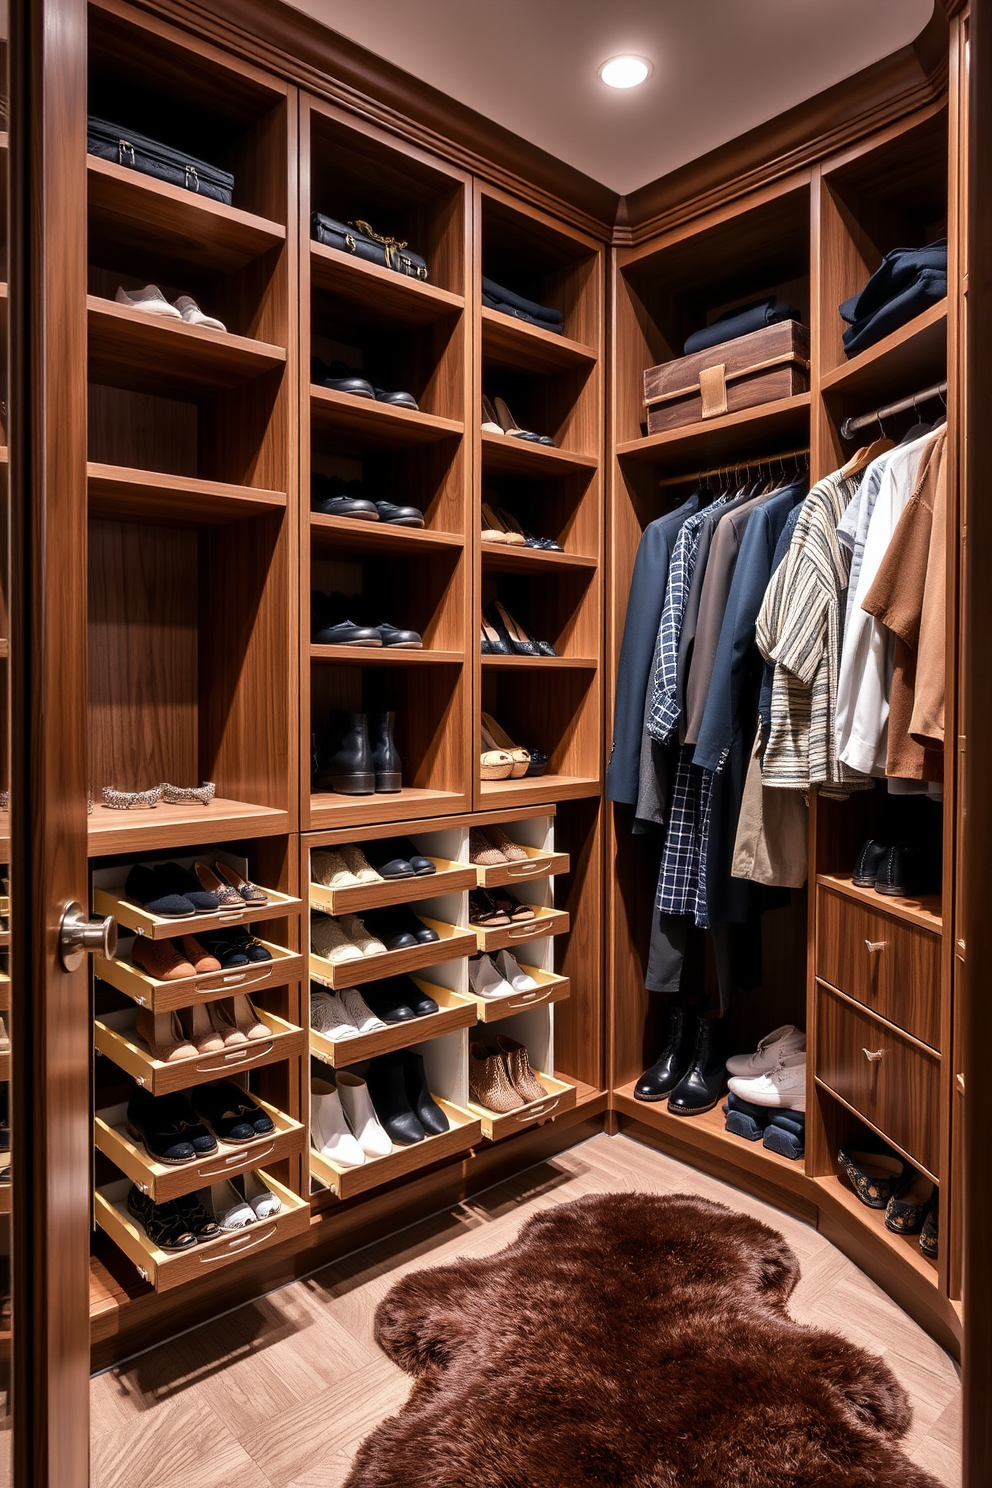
(280, 1393)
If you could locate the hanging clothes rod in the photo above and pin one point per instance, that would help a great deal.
(850, 426)
(695, 475)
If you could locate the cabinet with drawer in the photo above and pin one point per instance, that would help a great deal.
(890, 965)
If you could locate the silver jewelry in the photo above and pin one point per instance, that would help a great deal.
(119, 800)
(175, 795)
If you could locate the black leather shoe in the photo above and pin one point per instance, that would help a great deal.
(162, 1223)
(661, 1079)
(389, 634)
(867, 863)
(333, 497)
(385, 925)
(421, 866)
(387, 1001)
(908, 871)
(422, 934)
(168, 1127)
(340, 377)
(331, 625)
(425, 1107)
(348, 766)
(422, 1005)
(702, 1084)
(385, 756)
(196, 1219)
(241, 941)
(539, 761)
(231, 1113)
(228, 953)
(397, 399)
(399, 516)
(385, 1078)
(387, 859)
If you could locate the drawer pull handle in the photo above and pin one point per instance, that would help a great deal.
(873, 1055)
(875, 945)
(959, 1082)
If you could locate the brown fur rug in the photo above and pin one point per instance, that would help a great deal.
(629, 1341)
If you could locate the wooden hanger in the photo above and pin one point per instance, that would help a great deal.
(868, 452)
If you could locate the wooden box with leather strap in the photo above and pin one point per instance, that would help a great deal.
(759, 368)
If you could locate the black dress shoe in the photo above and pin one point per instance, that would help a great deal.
(231, 1113)
(144, 887)
(405, 917)
(334, 497)
(389, 634)
(164, 1225)
(331, 625)
(421, 866)
(340, 377)
(399, 516)
(230, 955)
(202, 1225)
(386, 1080)
(867, 863)
(168, 1127)
(908, 871)
(425, 1107)
(386, 760)
(661, 1079)
(539, 762)
(702, 1084)
(347, 765)
(422, 1005)
(387, 1001)
(241, 942)
(387, 860)
(386, 925)
(397, 399)
(179, 881)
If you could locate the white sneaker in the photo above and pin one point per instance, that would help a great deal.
(330, 869)
(191, 313)
(231, 1210)
(357, 1104)
(330, 1132)
(514, 973)
(329, 1016)
(262, 1200)
(150, 299)
(360, 866)
(362, 938)
(359, 1011)
(330, 941)
(485, 980)
(774, 1046)
(784, 1086)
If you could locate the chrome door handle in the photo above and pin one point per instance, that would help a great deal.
(872, 1054)
(79, 935)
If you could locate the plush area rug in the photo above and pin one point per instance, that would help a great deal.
(630, 1341)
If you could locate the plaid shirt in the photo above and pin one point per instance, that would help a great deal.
(682, 876)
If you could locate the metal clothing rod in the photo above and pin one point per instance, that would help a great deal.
(692, 475)
(850, 426)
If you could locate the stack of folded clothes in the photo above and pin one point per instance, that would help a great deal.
(906, 282)
(495, 297)
(740, 322)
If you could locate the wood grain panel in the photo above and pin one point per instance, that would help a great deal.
(892, 967)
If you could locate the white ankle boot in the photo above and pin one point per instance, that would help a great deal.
(357, 1104)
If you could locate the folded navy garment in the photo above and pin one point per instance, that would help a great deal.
(740, 322)
(897, 270)
(926, 288)
(496, 297)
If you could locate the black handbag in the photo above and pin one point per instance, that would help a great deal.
(113, 142)
(364, 242)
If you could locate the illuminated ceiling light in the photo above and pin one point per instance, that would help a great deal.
(625, 72)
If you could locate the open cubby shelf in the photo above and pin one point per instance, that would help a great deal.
(379, 292)
(122, 494)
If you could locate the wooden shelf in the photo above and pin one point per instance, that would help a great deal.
(384, 656)
(454, 943)
(559, 1097)
(546, 921)
(367, 422)
(905, 1249)
(454, 1012)
(464, 1132)
(115, 1037)
(328, 809)
(540, 663)
(450, 878)
(550, 988)
(122, 494)
(907, 358)
(925, 912)
(134, 210)
(752, 430)
(514, 344)
(156, 927)
(540, 787)
(512, 558)
(346, 534)
(502, 454)
(285, 968)
(170, 827)
(380, 292)
(129, 348)
(538, 865)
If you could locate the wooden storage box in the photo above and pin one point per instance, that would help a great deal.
(766, 365)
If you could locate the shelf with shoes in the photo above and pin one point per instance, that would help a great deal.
(116, 1036)
(507, 1070)
(545, 920)
(128, 891)
(555, 712)
(453, 1011)
(348, 883)
(453, 942)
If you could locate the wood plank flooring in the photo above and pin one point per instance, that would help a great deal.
(280, 1393)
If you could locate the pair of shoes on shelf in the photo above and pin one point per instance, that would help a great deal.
(208, 1028)
(184, 1223)
(344, 867)
(498, 976)
(360, 756)
(344, 939)
(341, 378)
(501, 758)
(500, 1077)
(775, 1074)
(501, 526)
(153, 302)
(690, 1071)
(341, 1015)
(343, 1124)
(173, 960)
(231, 887)
(337, 620)
(334, 497)
(781, 1131)
(903, 869)
(489, 847)
(169, 891)
(504, 636)
(180, 1128)
(399, 928)
(882, 1179)
(497, 419)
(492, 908)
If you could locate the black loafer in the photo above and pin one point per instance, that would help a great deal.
(180, 881)
(387, 1001)
(145, 888)
(422, 1005)
(868, 861)
(397, 399)
(164, 1225)
(331, 625)
(231, 1113)
(387, 861)
(340, 378)
(241, 942)
(228, 954)
(404, 848)
(399, 516)
(406, 920)
(385, 1078)
(168, 1127)
(392, 931)
(334, 497)
(401, 640)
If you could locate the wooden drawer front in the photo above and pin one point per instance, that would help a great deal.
(504, 937)
(450, 878)
(550, 988)
(115, 1035)
(453, 944)
(464, 1131)
(166, 997)
(891, 1081)
(889, 965)
(560, 1097)
(453, 1011)
(136, 918)
(537, 865)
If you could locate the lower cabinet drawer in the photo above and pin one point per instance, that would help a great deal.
(889, 965)
(344, 1183)
(560, 1097)
(892, 1082)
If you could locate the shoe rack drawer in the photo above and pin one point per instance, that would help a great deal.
(890, 966)
(550, 988)
(880, 1073)
(4, 992)
(452, 943)
(545, 922)
(115, 1035)
(166, 997)
(156, 928)
(450, 878)
(539, 864)
(168, 1181)
(465, 1130)
(560, 1097)
(454, 1011)
(165, 1269)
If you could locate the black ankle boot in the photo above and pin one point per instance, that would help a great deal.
(386, 1079)
(673, 1061)
(701, 1085)
(386, 757)
(425, 1107)
(348, 765)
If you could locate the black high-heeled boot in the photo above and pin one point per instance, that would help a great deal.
(348, 765)
(673, 1061)
(702, 1084)
(425, 1107)
(386, 1079)
(385, 756)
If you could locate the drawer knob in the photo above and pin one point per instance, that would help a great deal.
(875, 945)
(873, 1055)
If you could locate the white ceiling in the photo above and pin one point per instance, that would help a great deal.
(720, 66)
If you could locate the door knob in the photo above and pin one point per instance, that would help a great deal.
(77, 935)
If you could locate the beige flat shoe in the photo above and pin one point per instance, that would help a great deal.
(228, 1030)
(329, 940)
(199, 1029)
(331, 870)
(242, 1013)
(512, 851)
(356, 932)
(359, 865)
(495, 529)
(163, 1033)
(519, 756)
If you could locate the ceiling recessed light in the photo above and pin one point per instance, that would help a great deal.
(625, 72)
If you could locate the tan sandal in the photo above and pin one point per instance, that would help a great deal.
(496, 764)
(519, 755)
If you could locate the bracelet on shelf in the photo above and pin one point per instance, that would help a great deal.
(119, 800)
(175, 795)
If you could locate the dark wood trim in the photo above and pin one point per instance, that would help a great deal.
(50, 1012)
